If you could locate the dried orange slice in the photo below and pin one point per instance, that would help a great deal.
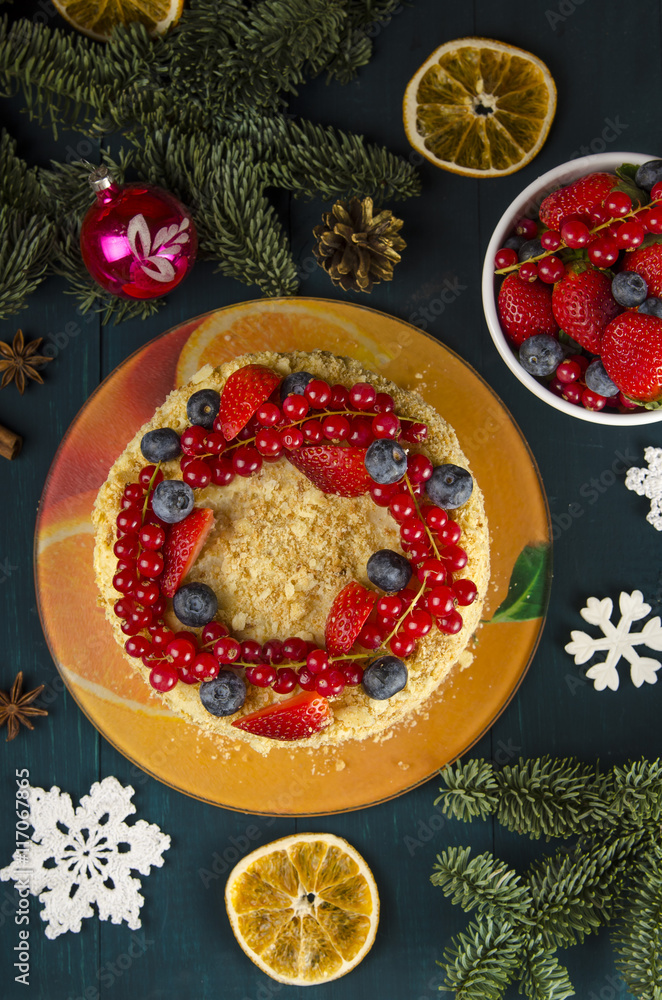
(479, 107)
(304, 908)
(98, 19)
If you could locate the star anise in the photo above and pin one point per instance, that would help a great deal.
(18, 361)
(15, 707)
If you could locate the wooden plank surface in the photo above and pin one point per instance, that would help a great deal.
(605, 58)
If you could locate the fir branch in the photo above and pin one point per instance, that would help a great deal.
(638, 791)
(543, 976)
(471, 790)
(638, 940)
(364, 19)
(481, 962)
(19, 184)
(26, 243)
(483, 882)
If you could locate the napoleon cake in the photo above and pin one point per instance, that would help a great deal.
(292, 549)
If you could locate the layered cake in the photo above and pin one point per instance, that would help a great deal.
(293, 549)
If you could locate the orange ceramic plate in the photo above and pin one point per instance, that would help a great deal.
(289, 782)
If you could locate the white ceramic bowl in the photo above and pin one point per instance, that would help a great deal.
(526, 203)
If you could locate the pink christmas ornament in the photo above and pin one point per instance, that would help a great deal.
(137, 241)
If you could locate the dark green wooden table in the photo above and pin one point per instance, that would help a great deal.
(606, 59)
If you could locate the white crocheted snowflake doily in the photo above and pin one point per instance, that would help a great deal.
(84, 857)
(648, 483)
(618, 641)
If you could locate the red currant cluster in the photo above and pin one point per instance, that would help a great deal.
(324, 413)
(428, 536)
(617, 226)
(568, 382)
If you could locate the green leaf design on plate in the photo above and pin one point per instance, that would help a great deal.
(528, 588)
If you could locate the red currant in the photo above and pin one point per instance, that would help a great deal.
(330, 682)
(417, 623)
(506, 257)
(527, 228)
(412, 529)
(384, 403)
(414, 432)
(147, 592)
(312, 431)
(551, 270)
(246, 461)
(129, 521)
(653, 219)
(431, 570)
(263, 675)
(295, 407)
(127, 547)
(163, 677)
(450, 533)
(618, 203)
(212, 632)
(386, 425)
(575, 233)
(362, 396)
(227, 649)
(295, 648)
(273, 651)
(150, 564)
(592, 400)
(286, 681)
(251, 652)
(656, 191)
(134, 492)
(268, 442)
(215, 443)
(383, 494)
(402, 645)
(317, 660)
(419, 468)
(307, 679)
(452, 624)
(181, 650)
(222, 471)
(573, 393)
(318, 393)
(193, 440)
(630, 234)
(292, 438)
(465, 591)
(551, 240)
(402, 506)
(161, 637)
(339, 397)
(204, 667)
(568, 371)
(352, 672)
(441, 601)
(370, 636)
(435, 517)
(185, 674)
(268, 414)
(528, 271)
(361, 432)
(389, 606)
(124, 607)
(151, 536)
(137, 645)
(149, 475)
(159, 607)
(454, 557)
(603, 252)
(336, 427)
(125, 581)
(197, 474)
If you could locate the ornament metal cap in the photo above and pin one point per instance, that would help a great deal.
(100, 178)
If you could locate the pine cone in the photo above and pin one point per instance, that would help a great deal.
(355, 248)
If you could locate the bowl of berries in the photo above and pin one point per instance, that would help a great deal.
(572, 288)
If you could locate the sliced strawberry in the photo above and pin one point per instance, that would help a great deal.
(347, 616)
(333, 468)
(295, 719)
(182, 548)
(243, 393)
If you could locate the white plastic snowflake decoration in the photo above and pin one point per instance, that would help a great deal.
(648, 483)
(618, 640)
(77, 858)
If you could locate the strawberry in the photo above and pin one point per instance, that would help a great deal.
(243, 393)
(583, 305)
(631, 351)
(347, 616)
(295, 719)
(647, 261)
(333, 468)
(182, 548)
(580, 198)
(525, 308)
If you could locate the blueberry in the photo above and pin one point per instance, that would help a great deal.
(514, 242)
(385, 461)
(160, 445)
(203, 406)
(629, 289)
(225, 694)
(172, 500)
(540, 355)
(449, 486)
(388, 570)
(651, 307)
(598, 381)
(384, 677)
(648, 174)
(294, 384)
(195, 604)
(530, 248)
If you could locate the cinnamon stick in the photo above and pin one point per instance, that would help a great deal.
(10, 443)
